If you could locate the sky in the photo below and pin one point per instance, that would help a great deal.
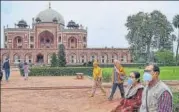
(105, 19)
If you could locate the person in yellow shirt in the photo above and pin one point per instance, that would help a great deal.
(118, 76)
(97, 78)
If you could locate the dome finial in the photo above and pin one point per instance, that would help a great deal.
(49, 5)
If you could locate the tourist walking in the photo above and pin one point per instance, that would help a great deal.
(26, 71)
(118, 76)
(157, 96)
(133, 95)
(97, 78)
(6, 68)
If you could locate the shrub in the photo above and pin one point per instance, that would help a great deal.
(175, 101)
(59, 71)
(21, 72)
(124, 65)
(107, 76)
(90, 63)
(54, 61)
(165, 57)
(61, 56)
(84, 64)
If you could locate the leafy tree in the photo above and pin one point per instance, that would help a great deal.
(177, 60)
(176, 25)
(54, 61)
(165, 57)
(147, 32)
(61, 56)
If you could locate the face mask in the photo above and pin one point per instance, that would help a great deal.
(147, 77)
(130, 81)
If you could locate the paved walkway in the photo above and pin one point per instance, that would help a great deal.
(53, 100)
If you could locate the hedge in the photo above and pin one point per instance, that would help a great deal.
(175, 101)
(21, 72)
(59, 71)
(139, 65)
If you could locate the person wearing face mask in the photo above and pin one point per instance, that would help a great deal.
(118, 76)
(133, 94)
(97, 78)
(157, 96)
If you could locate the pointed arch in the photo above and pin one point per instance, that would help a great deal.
(16, 58)
(28, 58)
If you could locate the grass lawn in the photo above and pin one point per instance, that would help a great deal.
(166, 73)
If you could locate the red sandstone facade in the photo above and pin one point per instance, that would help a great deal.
(36, 45)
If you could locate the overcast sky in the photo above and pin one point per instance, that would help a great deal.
(105, 19)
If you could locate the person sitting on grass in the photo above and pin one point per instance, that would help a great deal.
(118, 76)
(133, 95)
(97, 78)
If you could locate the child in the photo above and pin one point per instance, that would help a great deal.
(97, 77)
(26, 70)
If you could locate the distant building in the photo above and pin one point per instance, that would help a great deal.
(36, 45)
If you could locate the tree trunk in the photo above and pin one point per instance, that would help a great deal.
(148, 49)
(177, 54)
(148, 53)
(177, 48)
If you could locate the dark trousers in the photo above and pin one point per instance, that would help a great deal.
(121, 88)
(7, 74)
(1, 75)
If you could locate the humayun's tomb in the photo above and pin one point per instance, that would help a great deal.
(37, 44)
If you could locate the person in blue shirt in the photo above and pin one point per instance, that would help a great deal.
(6, 68)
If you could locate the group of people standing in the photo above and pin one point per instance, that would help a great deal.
(6, 67)
(152, 96)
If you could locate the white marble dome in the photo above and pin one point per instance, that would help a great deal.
(49, 15)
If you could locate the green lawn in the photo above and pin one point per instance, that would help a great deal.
(166, 73)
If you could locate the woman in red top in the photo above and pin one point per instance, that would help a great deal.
(133, 95)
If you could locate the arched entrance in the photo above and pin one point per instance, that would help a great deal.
(46, 40)
(72, 42)
(28, 58)
(40, 58)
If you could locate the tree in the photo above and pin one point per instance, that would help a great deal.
(54, 62)
(174, 37)
(164, 56)
(177, 60)
(61, 56)
(147, 32)
(176, 25)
